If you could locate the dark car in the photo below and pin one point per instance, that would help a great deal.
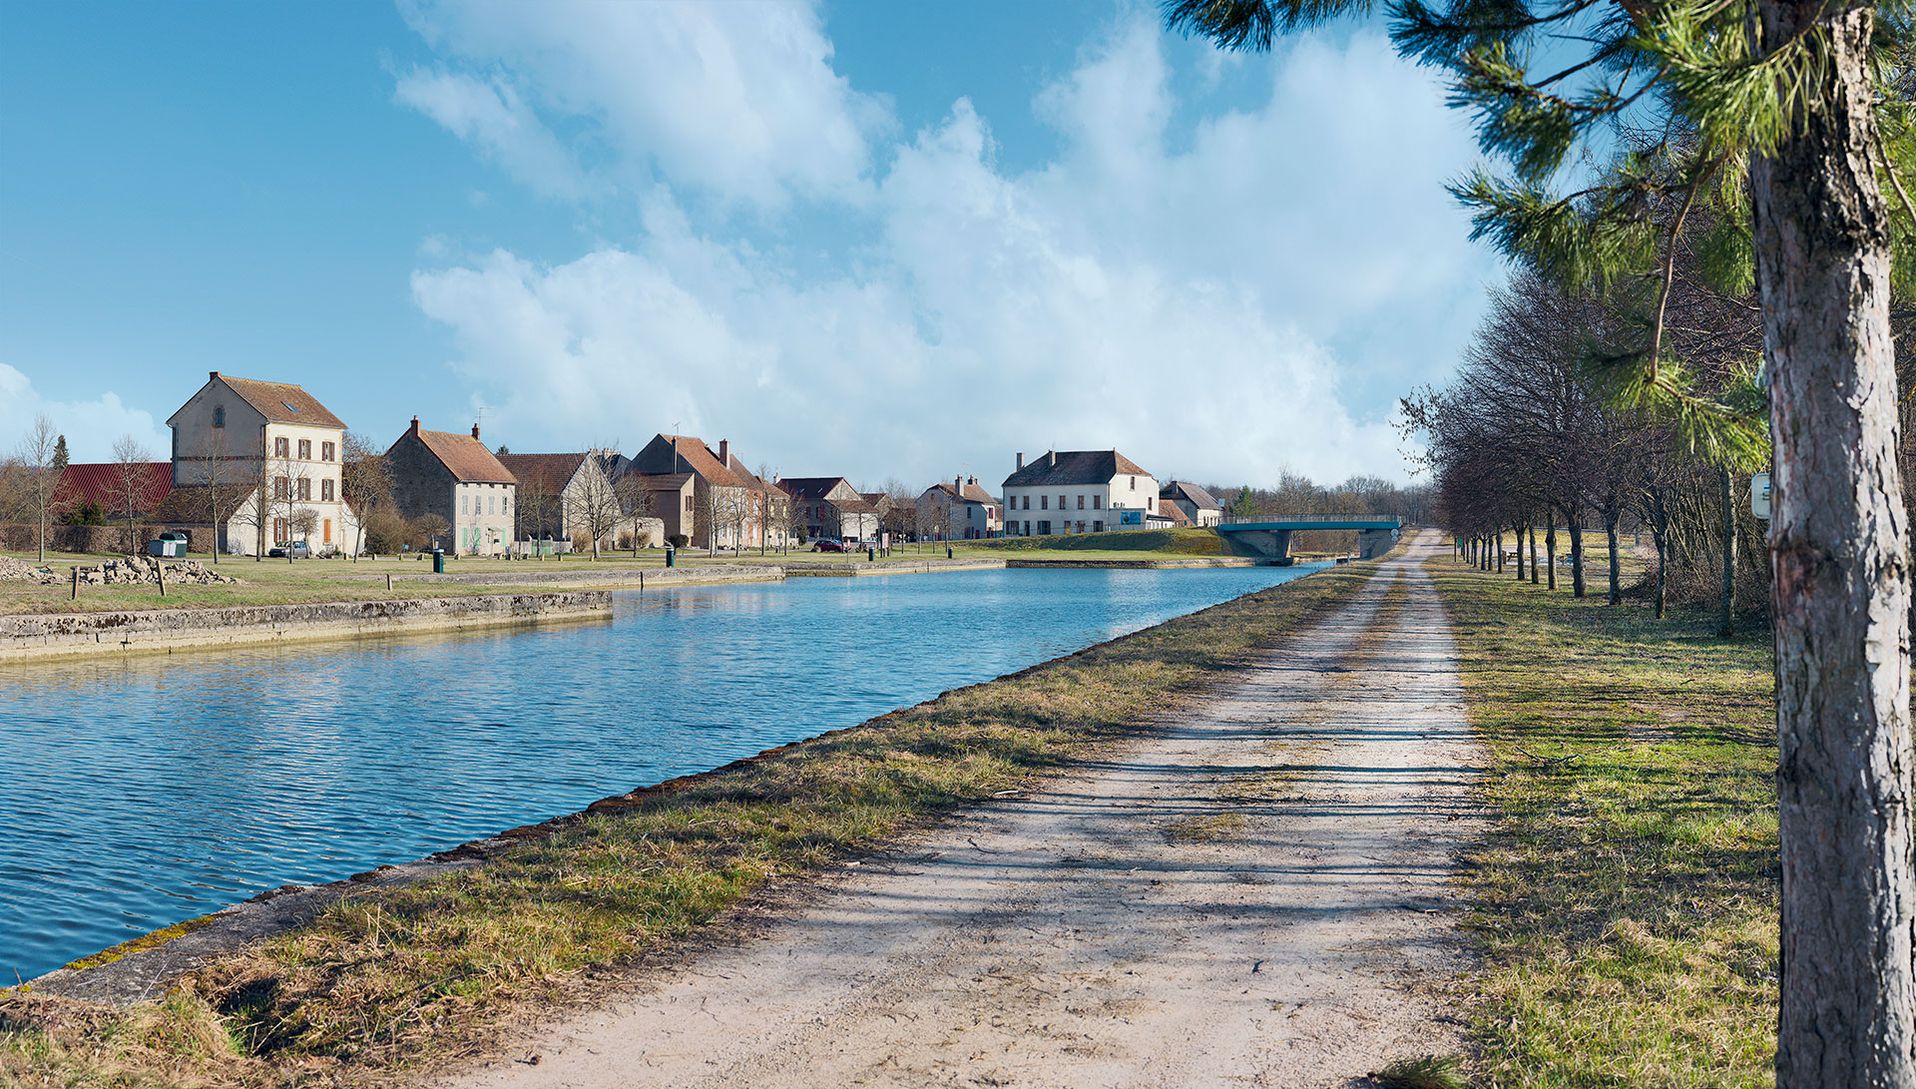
(297, 550)
(828, 544)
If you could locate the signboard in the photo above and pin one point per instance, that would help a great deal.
(1130, 517)
(1760, 496)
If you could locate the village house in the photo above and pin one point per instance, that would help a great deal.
(265, 460)
(1199, 507)
(1078, 491)
(574, 496)
(455, 478)
(706, 497)
(962, 510)
(1169, 516)
(829, 506)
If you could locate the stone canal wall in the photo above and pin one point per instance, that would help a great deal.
(163, 630)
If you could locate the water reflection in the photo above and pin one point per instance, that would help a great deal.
(146, 790)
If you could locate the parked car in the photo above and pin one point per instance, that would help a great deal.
(297, 550)
(828, 544)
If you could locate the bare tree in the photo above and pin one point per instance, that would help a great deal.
(128, 483)
(593, 503)
(367, 479)
(42, 477)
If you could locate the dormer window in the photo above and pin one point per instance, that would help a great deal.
(291, 407)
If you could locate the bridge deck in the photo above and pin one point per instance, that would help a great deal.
(1273, 524)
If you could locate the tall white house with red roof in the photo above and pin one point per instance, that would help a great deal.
(268, 457)
(1078, 491)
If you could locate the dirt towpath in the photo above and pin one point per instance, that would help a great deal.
(1256, 895)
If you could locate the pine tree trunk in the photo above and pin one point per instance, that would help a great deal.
(1726, 595)
(1840, 575)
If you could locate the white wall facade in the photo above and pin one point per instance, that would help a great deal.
(482, 518)
(1080, 508)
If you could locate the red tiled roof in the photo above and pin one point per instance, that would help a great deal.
(811, 487)
(549, 472)
(1190, 493)
(464, 456)
(105, 485)
(972, 492)
(1170, 509)
(282, 402)
(1073, 467)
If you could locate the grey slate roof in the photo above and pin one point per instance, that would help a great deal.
(1073, 467)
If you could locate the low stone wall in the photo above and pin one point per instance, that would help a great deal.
(19, 537)
(164, 630)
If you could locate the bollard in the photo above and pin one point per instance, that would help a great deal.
(389, 582)
(76, 584)
(160, 568)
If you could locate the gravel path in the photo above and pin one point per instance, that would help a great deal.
(1254, 896)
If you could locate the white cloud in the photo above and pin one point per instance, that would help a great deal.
(1205, 297)
(737, 99)
(91, 427)
(491, 116)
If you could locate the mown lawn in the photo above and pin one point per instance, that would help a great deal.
(1626, 902)
(391, 983)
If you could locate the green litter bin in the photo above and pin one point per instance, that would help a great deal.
(671, 556)
(438, 561)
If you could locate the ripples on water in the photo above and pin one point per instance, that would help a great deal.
(143, 791)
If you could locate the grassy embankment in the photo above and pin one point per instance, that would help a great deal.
(270, 582)
(393, 982)
(1626, 901)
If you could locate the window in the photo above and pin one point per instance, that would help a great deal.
(326, 451)
(219, 415)
(462, 504)
(279, 448)
(1044, 527)
(1081, 502)
(326, 490)
(1061, 500)
(505, 505)
(688, 504)
(305, 488)
(279, 531)
(1097, 502)
(305, 449)
(281, 487)
(492, 504)
(1134, 483)
(1097, 526)
(1044, 502)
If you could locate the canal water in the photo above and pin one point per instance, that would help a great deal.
(142, 791)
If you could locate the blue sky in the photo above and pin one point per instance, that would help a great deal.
(855, 237)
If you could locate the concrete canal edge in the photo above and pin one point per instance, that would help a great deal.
(35, 637)
(889, 567)
(1154, 565)
(581, 573)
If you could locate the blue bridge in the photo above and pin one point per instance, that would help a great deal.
(1271, 537)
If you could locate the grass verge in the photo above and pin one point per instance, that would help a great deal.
(391, 983)
(1626, 901)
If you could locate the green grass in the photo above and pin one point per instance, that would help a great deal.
(391, 982)
(1625, 905)
(1167, 542)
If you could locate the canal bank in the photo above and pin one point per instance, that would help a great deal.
(649, 867)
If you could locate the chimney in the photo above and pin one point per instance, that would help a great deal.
(475, 430)
(725, 453)
(971, 480)
(1021, 459)
(958, 486)
(213, 375)
(414, 430)
(1051, 458)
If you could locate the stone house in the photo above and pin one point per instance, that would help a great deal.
(1199, 507)
(828, 506)
(960, 510)
(455, 477)
(565, 497)
(706, 497)
(1078, 491)
(279, 448)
